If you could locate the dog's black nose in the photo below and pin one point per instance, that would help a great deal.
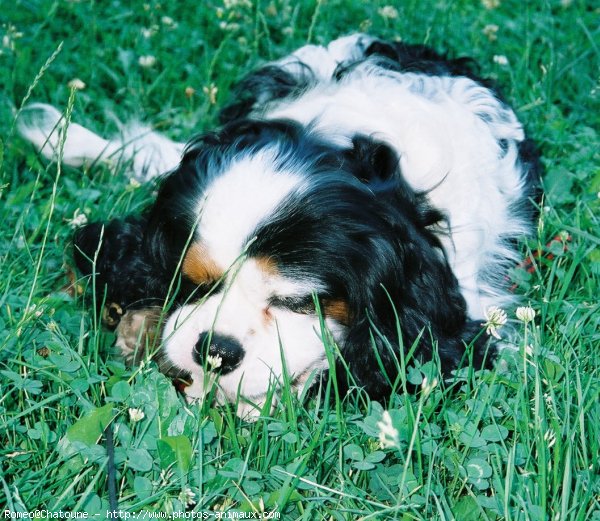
(219, 353)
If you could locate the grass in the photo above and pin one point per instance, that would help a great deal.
(520, 442)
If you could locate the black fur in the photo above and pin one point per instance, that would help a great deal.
(113, 252)
(134, 260)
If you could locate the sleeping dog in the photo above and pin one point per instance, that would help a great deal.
(368, 192)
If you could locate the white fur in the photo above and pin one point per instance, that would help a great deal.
(324, 60)
(253, 189)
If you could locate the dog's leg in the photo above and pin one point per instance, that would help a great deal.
(145, 153)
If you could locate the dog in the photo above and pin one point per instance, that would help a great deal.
(368, 193)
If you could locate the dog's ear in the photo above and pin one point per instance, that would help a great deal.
(102, 245)
(408, 293)
(372, 162)
(377, 165)
(112, 252)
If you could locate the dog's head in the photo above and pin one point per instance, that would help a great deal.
(282, 238)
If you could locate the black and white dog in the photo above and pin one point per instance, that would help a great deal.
(367, 190)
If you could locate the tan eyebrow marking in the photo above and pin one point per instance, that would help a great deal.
(267, 265)
(199, 267)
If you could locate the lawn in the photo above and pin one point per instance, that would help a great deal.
(521, 442)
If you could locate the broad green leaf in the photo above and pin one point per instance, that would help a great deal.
(142, 487)
(139, 459)
(90, 426)
(478, 468)
(494, 433)
(353, 452)
(175, 449)
(467, 509)
(120, 391)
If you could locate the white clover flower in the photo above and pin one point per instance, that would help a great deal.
(149, 32)
(211, 92)
(500, 59)
(490, 4)
(147, 61)
(428, 386)
(388, 434)
(52, 326)
(136, 415)
(8, 40)
(33, 309)
(495, 318)
(229, 26)
(79, 219)
(491, 32)
(168, 21)
(525, 314)
(76, 84)
(232, 4)
(388, 12)
(214, 362)
(187, 497)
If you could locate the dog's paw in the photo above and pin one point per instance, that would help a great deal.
(137, 332)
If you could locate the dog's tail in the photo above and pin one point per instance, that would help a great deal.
(143, 152)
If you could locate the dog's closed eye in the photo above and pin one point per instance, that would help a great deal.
(304, 305)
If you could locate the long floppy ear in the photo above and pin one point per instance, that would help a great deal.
(113, 254)
(377, 165)
(407, 292)
(415, 299)
(106, 245)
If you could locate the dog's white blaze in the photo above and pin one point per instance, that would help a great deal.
(237, 201)
(230, 211)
